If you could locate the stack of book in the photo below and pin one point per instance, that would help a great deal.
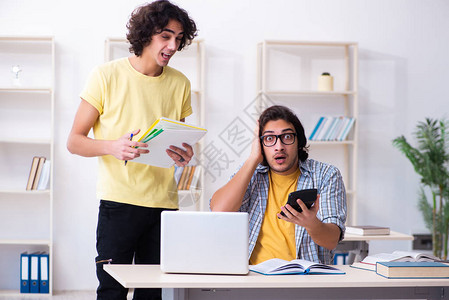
(332, 129)
(39, 174)
(187, 177)
(369, 262)
(368, 230)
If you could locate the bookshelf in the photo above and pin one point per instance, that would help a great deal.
(288, 73)
(27, 126)
(191, 62)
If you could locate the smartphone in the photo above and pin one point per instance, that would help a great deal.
(307, 196)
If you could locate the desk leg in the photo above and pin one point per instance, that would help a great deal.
(180, 294)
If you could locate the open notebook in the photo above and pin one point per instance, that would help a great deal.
(161, 135)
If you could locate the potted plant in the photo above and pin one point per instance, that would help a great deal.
(430, 159)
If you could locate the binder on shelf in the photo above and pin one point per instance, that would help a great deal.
(24, 273)
(44, 270)
(34, 273)
(32, 175)
(40, 166)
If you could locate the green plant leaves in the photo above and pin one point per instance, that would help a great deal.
(430, 159)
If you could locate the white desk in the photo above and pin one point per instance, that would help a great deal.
(355, 284)
(358, 245)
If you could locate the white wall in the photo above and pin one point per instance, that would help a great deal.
(403, 49)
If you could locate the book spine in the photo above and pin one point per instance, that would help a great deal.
(347, 129)
(324, 128)
(32, 175)
(317, 126)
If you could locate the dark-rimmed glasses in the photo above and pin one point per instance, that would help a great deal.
(270, 140)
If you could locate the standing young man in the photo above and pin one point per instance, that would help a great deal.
(278, 165)
(120, 98)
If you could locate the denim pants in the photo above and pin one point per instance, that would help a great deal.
(126, 232)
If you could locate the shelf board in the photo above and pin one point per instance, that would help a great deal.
(26, 38)
(188, 192)
(27, 141)
(309, 93)
(24, 242)
(124, 40)
(331, 142)
(26, 89)
(23, 191)
(307, 43)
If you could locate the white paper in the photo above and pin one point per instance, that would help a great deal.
(158, 156)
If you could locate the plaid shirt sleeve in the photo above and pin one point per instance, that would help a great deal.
(329, 182)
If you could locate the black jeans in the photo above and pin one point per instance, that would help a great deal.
(126, 232)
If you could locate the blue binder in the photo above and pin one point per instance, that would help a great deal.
(24, 272)
(44, 270)
(34, 273)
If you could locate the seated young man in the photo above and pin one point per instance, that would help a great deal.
(278, 165)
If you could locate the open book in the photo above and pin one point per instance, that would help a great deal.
(276, 266)
(161, 135)
(369, 262)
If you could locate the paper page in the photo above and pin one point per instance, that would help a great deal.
(275, 266)
(417, 255)
(158, 156)
(372, 259)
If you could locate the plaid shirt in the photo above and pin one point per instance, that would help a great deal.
(324, 177)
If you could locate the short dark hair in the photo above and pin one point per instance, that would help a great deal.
(148, 20)
(279, 112)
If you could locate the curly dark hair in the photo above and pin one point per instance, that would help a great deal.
(279, 112)
(148, 20)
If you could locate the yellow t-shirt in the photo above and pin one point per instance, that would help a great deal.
(276, 237)
(128, 100)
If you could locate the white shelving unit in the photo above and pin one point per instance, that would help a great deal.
(288, 73)
(191, 62)
(26, 130)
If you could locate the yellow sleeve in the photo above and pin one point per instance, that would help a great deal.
(186, 103)
(94, 90)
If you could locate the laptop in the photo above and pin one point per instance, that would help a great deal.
(204, 242)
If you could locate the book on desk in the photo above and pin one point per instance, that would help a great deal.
(369, 262)
(417, 269)
(368, 230)
(276, 266)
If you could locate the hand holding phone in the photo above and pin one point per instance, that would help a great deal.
(308, 196)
